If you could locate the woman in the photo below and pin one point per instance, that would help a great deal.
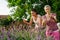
(49, 19)
(36, 18)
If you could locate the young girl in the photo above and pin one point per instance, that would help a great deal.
(49, 19)
(36, 18)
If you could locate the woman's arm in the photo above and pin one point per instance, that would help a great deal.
(54, 16)
(40, 20)
(43, 21)
(28, 23)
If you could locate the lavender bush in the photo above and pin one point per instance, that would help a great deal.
(21, 32)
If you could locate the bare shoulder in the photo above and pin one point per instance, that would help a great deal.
(44, 16)
(39, 16)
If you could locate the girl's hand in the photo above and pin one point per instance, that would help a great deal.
(24, 20)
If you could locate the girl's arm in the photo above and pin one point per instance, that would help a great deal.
(28, 23)
(40, 20)
(43, 21)
(54, 16)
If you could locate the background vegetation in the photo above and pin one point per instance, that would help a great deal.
(21, 8)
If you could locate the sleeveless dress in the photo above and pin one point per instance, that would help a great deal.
(37, 22)
(37, 27)
(51, 27)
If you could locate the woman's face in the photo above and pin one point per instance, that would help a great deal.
(47, 9)
(33, 13)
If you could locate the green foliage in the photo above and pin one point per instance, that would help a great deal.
(23, 6)
(56, 7)
(5, 22)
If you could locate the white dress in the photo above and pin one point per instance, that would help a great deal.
(37, 27)
(37, 21)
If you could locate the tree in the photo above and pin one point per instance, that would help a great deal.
(22, 8)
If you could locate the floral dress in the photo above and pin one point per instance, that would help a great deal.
(51, 27)
(37, 23)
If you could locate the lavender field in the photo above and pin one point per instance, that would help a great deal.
(21, 32)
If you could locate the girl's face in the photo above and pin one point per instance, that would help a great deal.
(47, 9)
(33, 13)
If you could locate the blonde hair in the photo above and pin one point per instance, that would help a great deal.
(47, 6)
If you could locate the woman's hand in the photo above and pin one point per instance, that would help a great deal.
(28, 23)
(24, 21)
